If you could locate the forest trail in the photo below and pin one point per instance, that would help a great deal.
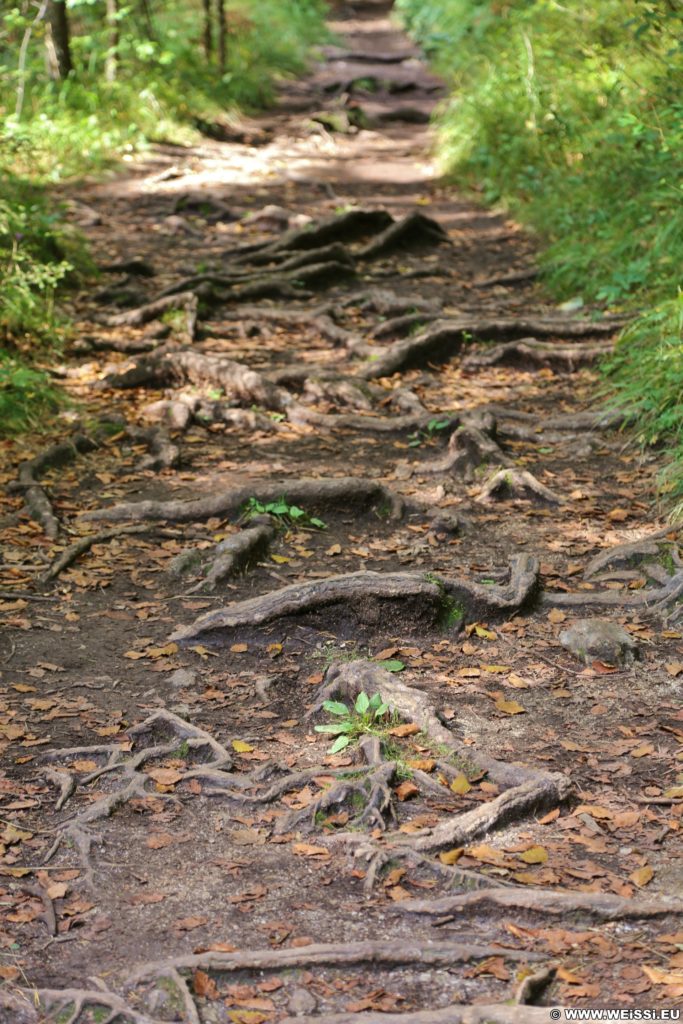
(344, 446)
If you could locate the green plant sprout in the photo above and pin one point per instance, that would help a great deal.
(428, 433)
(286, 515)
(364, 718)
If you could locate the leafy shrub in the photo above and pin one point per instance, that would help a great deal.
(571, 114)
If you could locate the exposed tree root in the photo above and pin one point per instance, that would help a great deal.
(186, 301)
(236, 553)
(132, 781)
(387, 303)
(539, 353)
(419, 954)
(442, 341)
(74, 551)
(185, 366)
(626, 554)
(529, 790)
(494, 1013)
(518, 483)
(470, 447)
(316, 493)
(35, 498)
(400, 326)
(513, 277)
(135, 265)
(414, 231)
(600, 419)
(76, 1001)
(163, 453)
(603, 906)
(371, 598)
(445, 338)
(649, 600)
(347, 227)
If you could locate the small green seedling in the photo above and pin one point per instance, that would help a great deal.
(428, 433)
(365, 717)
(286, 515)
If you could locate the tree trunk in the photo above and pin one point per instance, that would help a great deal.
(149, 31)
(208, 29)
(111, 60)
(222, 34)
(57, 39)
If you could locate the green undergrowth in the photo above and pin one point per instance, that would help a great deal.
(38, 254)
(52, 131)
(570, 115)
(164, 87)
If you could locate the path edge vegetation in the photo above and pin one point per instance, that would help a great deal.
(83, 86)
(570, 116)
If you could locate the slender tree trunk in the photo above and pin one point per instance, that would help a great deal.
(222, 34)
(149, 23)
(111, 60)
(57, 39)
(208, 29)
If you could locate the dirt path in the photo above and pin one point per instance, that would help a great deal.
(366, 367)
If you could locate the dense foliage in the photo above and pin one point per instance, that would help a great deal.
(571, 113)
(134, 72)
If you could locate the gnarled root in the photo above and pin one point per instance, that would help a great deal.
(413, 231)
(236, 553)
(516, 483)
(186, 301)
(316, 493)
(624, 554)
(131, 779)
(76, 1001)
(445, 338)
(35, 497)
(472, 445)
(79, 547)
(539, 353)
(372, 596)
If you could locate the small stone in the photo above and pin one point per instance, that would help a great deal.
(182, 678)
(592, 640)
(301, 1001)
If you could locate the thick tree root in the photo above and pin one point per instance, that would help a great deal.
(539, 353)
(470, 447)
(186, 366)
(626, 554)
(371, 598)
(236, 553)
(317, 493)
(649, 600)
(163, 453)
(347, 227)
(417, 955)
(529, 790)
(494, 1013)
(185, 301)
(516, 483)
(132, 781)
(445, 338)
(35, 497)
(603, 906)
(400, 326)
(414, 231)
